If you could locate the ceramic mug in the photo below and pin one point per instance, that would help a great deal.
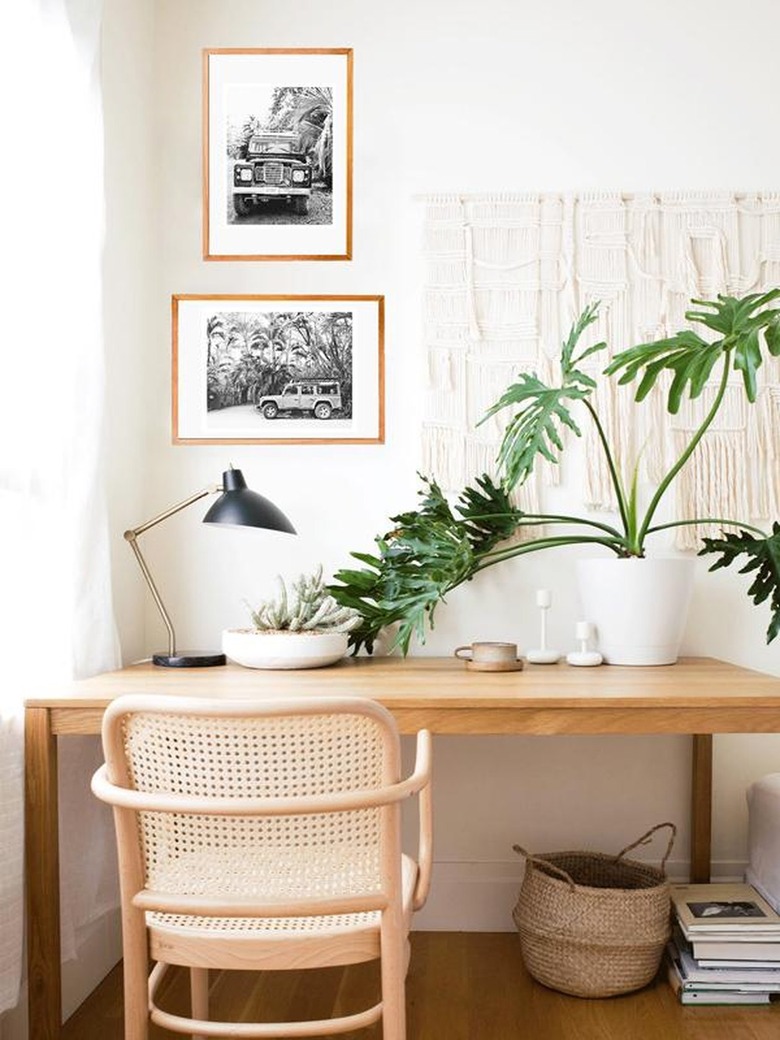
(490, 655)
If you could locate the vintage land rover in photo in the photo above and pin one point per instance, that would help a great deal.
(274, 169)
(318, 397)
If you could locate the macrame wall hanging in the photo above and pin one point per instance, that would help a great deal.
(506, 275)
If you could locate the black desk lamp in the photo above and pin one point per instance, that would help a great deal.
(236, 506)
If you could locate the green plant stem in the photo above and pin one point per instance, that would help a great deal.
(616, 482)
(667, 480)
(708, 520)
(540, 519)
(617, 546)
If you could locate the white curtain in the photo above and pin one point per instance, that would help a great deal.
(56, 618)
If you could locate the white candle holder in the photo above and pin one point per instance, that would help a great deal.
(583, 657)
(541, 654)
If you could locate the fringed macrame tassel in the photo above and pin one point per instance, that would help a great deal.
(485, 384)
(506, 247)
(480, 458)
(446, 307)
(443, 456)
(501, 315)
(443, 239)
(763, 455)
(528, 498)
(471, 300)
(655, 435)
(712, 484)
(446, 403)
(447, 272)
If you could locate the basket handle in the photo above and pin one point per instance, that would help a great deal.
(645, 839)
(547, 866)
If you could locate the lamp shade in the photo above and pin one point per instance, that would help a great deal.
(241, 507)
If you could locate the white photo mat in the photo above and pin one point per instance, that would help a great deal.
(232, 74)
(194, 423)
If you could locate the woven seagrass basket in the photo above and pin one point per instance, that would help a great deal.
(591, 924)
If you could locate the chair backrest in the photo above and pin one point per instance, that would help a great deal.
(236, 771)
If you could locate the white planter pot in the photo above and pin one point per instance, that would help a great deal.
(639, 607)
(280, 650)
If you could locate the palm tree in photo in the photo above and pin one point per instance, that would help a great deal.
(250, 129)
(308, 112)
(216, 336)
(218, 361)
(274, 338)
(244, 334)
(331, 350)
(233, 352)
(312, 118)
(297, 356)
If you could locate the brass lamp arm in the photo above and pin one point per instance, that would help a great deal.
(212, 489)
(131, 536)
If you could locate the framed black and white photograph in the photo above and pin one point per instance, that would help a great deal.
(278, 369)
(277, 154)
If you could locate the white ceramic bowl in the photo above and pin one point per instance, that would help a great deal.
(254, 649)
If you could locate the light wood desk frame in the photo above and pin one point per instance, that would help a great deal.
(699, 697)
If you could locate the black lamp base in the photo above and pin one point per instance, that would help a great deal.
(188, 659)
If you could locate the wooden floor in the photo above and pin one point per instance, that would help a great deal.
(461, 986)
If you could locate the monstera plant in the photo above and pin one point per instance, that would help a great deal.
(433, 549)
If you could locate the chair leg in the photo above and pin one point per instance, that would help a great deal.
(393, 971)
(136, 977)
(199, 990)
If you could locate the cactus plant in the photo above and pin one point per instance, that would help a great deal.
(306, 606)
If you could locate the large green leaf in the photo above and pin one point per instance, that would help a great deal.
(488, 515)
(772, 335)
(543, 412)
(739, 323)
(763, 558)
(429, 552)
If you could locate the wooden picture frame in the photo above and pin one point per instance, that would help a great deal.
(277, 154)
(277, 369)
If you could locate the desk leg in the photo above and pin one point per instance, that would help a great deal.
(42, 877)
(701, 807)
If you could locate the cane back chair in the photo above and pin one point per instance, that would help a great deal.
(261, 835)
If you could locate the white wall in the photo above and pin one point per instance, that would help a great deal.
(449, 95)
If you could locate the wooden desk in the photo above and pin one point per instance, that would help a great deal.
(699, 696)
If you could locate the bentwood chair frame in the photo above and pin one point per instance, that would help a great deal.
(264, 835)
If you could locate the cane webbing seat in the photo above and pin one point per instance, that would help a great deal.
(261, 835)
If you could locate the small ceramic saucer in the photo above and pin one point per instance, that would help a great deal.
(494, 666)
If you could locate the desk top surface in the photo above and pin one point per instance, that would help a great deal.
(444, 683)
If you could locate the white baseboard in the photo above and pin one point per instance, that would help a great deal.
(480, 896)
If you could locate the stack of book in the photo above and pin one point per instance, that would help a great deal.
(725, 946)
